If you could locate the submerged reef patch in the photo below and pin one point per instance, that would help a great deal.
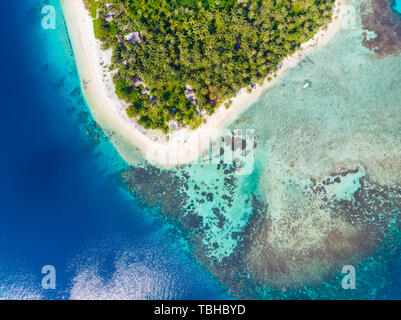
(378, 17)
(310, 233)
(314, 234)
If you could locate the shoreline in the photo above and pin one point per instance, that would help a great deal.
(183, 146)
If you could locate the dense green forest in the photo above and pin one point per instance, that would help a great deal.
(181, 59)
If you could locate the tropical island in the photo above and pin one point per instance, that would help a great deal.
(175, 62)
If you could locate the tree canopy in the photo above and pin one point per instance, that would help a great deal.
(216, 47)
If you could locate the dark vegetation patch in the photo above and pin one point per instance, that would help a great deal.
(377, 16)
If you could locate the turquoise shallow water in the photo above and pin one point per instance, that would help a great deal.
(61, 201)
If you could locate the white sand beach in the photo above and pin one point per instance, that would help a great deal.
(184, 145)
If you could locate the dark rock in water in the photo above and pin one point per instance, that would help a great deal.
(210, 197)
(157, 188)
(76, 92)
(377, 16)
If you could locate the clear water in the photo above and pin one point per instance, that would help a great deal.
(61, 202)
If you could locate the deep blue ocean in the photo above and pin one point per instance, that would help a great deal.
(60, 202)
